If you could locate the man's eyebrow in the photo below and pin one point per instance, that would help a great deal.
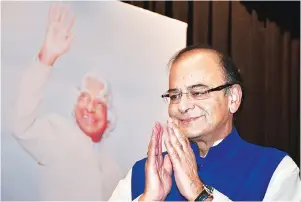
(198, 85)
(173, 90)
(83, 92)
(100, 97)
(189, 87)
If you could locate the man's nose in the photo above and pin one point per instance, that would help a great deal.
(185, 103)
(91, 107)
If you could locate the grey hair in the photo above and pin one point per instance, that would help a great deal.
(105, 94)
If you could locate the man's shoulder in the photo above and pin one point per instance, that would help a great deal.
(57, 118)
(60, 125)
(267, 151)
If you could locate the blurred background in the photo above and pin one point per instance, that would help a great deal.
(263, 38)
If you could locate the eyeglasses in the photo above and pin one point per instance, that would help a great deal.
(174, 96)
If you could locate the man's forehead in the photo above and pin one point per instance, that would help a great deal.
(92, 86)
(193, 86)
(93, 83)
(197, 67)
(200, 58)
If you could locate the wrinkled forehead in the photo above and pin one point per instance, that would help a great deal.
(94, 86)
(202, 67)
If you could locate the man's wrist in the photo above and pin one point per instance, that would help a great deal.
(206, 194)
(46, 58)
(196, 188)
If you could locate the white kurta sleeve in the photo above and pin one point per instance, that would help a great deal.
(285, 184)
(123, 191)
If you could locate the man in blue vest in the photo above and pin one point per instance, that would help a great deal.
(206, 159)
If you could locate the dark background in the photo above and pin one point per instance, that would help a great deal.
(263, 38)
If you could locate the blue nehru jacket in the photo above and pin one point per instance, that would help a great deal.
(236, 168)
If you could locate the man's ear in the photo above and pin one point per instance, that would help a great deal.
(234, 98)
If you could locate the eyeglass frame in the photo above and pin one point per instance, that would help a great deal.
(218, 88)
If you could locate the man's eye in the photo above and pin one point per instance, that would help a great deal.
(174, 96)
(99, 104)
(83, 96)
(198, 93)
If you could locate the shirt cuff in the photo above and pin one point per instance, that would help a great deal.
(218, 196)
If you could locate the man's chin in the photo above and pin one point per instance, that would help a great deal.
(193, 133)
(95, 135)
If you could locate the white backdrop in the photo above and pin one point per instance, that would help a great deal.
(129, 45)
